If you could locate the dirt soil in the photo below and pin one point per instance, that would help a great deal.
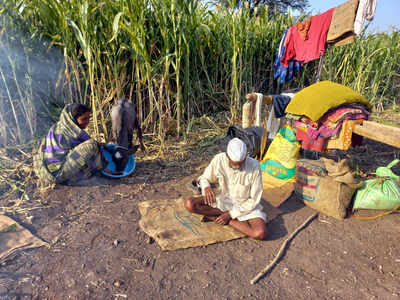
(98, 250)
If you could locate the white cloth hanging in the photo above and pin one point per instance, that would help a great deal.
(365, 11)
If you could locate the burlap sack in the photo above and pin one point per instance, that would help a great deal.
(333, 198)
(326, 186)
(173, 227)
(341, 30)
(308, 176)
(15, 238)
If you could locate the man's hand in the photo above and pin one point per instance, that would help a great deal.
(223, 218)
(209, 197)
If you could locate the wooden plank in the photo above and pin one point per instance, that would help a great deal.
(393, 131)
(378, 132)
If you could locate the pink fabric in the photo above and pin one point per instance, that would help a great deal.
(290, 52)
(307, 142)
(340, 113)
(287, 37)
(314, 46)
(315, 138)
(332, 129)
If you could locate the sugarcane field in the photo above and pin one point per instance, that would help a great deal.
(192, 149)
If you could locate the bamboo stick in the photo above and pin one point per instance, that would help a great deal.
(282, 249)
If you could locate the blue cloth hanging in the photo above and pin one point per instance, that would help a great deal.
(294, 66)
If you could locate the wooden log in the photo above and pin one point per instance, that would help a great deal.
(267, 100)
(247, 114)
(378, 132)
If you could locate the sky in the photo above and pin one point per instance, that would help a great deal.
(386, 14)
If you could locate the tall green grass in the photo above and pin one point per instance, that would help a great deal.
(371, 66)
(177, 59)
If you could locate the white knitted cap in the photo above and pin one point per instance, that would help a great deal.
(236, 150)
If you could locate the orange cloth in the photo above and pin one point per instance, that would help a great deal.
(344, 141)
(302, 29)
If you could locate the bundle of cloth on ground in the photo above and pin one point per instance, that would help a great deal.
(307, 40)
(326, 185)
(382, 192)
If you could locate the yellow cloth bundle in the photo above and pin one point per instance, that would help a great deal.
(314, 101)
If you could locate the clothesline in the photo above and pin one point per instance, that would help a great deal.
(308, 40)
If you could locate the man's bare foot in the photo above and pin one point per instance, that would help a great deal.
(208, 218)
(223, 219)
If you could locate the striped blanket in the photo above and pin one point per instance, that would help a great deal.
(67, 153)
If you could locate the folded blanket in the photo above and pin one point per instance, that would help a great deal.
(314, 101)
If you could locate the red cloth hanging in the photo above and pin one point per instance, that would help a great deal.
(312, 48)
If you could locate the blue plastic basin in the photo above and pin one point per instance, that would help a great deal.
(130, 166)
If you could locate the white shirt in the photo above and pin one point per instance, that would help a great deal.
(239, 191)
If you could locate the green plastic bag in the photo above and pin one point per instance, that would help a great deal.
(380, 193)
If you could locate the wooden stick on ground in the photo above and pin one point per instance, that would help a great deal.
(278, 256)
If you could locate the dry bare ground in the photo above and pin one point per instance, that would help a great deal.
(99, 252)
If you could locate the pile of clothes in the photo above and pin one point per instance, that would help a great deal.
(324, 115)
(306, 41)
(318, 118)
(315, 135)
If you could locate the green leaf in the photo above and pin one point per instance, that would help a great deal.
(116, 26)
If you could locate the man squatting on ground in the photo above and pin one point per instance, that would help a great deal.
(240, 185)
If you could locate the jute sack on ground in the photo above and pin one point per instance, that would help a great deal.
(326, 186)
(15, 238)
(309, 172)
(173, 227)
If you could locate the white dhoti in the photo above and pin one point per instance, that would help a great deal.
(225, 204)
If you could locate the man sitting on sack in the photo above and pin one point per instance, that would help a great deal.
(240, 185)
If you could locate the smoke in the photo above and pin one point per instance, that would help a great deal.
(32, 81)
